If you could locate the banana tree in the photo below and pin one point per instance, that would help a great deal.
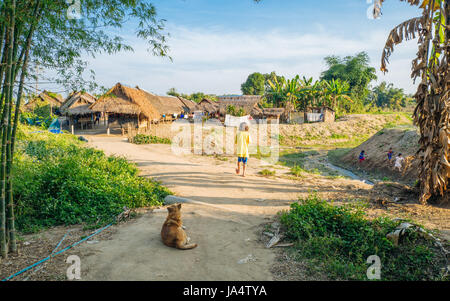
(432, 113)
(336, 93)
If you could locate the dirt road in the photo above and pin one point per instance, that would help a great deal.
(226, 223)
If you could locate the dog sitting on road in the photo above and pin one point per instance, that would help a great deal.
(172, 232)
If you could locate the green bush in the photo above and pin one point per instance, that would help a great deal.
(267, 173)
(58, 181)
(339, 239)
(146, 139)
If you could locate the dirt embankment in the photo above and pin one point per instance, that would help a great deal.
(403, 140)
(349, 129)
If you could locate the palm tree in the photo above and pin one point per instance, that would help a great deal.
(432, 113)
(336, 93)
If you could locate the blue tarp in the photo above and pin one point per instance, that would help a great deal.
(55, 127)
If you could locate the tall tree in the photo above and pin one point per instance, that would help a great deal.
(353, 69)
(254, 85)
(432, 113)
(42, 32)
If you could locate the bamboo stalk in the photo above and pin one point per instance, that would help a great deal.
(5, 115)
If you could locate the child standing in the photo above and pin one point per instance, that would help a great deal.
(362, 157)
(390, 155)
(242, 141)
(399, 162)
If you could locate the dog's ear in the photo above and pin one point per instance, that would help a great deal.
(179, 206)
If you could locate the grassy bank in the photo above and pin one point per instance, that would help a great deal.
(337, 241)
(148, 139)
(59, 181)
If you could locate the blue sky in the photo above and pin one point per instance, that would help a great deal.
(216, 44)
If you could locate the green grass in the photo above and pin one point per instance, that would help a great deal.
(339, 136)
(148, 139)
(337, 241)
(59, 181)
(267, 173)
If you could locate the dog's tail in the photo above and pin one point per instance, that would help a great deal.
(187, 247)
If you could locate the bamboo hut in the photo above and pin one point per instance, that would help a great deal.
(245, 102)
(124, 107)
(53, 100)
(77, 109)
(208, 106)
(320, 114)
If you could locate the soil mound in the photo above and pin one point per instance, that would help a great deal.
(404, 140)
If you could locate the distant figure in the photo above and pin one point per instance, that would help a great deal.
(243, 141)
(390, 155)
(399, 162)
(362, 157)
(97, 118)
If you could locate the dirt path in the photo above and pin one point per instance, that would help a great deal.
(226, 224)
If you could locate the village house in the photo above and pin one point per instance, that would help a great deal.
(46, 98)
(76, 110)
(248, 104)
(124, 107)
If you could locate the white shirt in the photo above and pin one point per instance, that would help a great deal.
(399, 161)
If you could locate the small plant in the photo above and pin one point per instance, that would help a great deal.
(297, 171)
(339, 239)
(58, 181)
(267, 173)
(148, 139)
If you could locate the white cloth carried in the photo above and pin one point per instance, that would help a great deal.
(232, 121)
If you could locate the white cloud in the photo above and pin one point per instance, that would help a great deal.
(216, 61)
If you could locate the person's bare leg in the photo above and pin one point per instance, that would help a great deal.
(238, 170)
(244, 166)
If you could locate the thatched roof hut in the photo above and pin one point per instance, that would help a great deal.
(208, 106)
(45, 98)
(245, 102)
(78, 103)
(189, 104)
(127, 101)
(169, 105)
(276, 113)
(135, 101)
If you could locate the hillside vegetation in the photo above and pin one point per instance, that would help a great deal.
(348, 131)
(59, 181)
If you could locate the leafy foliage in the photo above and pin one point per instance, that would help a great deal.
(339, 239)
(146, 139)
(254, 85)
(233, 111)
(352, 69)
(196, 97)
(58, 181)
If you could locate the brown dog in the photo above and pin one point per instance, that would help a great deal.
(172, 232)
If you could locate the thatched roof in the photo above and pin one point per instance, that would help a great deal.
(208, 106)
(46, 97)
(125, 100)
(135, 101)
(168, 105)
(257, 112)
(78, 103)
(322, 108)
(189, 104)
(246, 102)
(274, 111)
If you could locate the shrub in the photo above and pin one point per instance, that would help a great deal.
(57, 181)
(266, 172)
(146, 139)
(341, 238)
